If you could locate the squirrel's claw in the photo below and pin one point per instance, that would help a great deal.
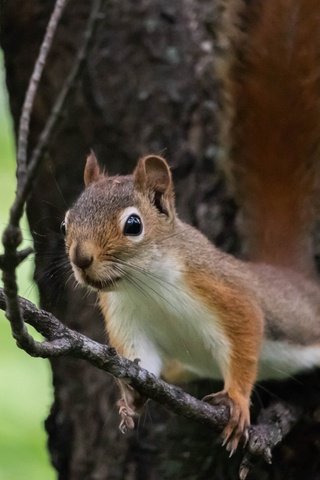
(236, 429)
(127, 415)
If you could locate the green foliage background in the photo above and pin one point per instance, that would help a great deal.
(25, 382)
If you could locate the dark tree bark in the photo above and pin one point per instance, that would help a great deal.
(148, 86)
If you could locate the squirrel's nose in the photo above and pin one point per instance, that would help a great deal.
(81, 258)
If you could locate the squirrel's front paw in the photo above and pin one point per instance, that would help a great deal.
(127, 415)
(239, 420)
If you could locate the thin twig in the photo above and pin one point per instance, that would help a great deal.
(20, 257)
(12, 235)
(24, 125)
(24, 187)
(66, 91)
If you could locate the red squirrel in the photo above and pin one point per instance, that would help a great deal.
(166, 292)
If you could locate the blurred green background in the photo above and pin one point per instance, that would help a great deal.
(25, 382)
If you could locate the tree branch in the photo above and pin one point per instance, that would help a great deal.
(65, 93)
(69, 342)
(12, 236)
(20, 256)
(33, 87)
(274, 423)
(26, 180)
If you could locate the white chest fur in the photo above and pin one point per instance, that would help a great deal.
(157, 319)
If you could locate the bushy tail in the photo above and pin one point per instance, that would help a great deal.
(268, 61)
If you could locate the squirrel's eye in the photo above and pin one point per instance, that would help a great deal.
(133, 225)
(63, 229)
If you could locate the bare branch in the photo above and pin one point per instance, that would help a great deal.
(64, 341)
(12, 235)
(276, 422)
(33, 87)
(25, 182)
(20, 256)
(64, 94)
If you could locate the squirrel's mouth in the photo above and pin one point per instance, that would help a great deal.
(106, 285)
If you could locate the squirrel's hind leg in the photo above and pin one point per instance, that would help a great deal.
(130, 405)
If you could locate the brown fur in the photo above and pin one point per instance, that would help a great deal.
(273, 84)
(242, 321)
(92, 170)
(176, 372)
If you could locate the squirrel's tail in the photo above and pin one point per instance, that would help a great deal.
(268, 60)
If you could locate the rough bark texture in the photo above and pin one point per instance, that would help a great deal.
(148, 86)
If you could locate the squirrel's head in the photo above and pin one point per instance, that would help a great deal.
(118, 223)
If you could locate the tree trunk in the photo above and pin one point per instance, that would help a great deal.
(148, 86)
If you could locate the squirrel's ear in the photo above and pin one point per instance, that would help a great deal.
(153, 177)
(92, 170)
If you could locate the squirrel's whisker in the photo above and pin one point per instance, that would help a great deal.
(148, 273)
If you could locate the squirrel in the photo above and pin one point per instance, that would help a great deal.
(165, 291)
